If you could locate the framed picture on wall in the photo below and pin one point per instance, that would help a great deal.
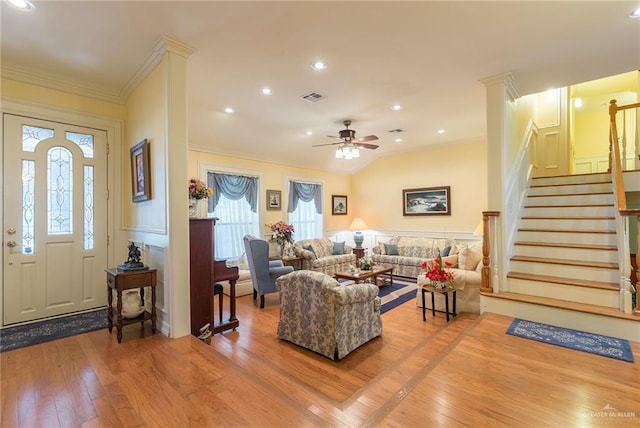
(140, 173)
(274, 199)
(426, 201)
(338, 205)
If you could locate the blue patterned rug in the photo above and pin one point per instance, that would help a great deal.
(393, 295)
(51, 329)
(573, 339)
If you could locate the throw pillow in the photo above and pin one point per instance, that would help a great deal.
(391, 250)
(445, 252)
(469, 257)
(338, 248)
(309, 248)
(381, 248)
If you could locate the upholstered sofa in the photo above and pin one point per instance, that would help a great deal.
(318, 313)
(323, 255)
(408, 253)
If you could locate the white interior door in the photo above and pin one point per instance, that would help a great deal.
(55, 218)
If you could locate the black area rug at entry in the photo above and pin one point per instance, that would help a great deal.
(50, 329)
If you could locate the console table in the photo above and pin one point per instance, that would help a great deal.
(121, 280)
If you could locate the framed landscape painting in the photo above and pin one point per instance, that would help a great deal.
(338, 205)
(426, 201)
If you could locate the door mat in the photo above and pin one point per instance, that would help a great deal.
(50, 329)
(573, 339)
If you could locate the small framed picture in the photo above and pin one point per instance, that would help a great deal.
(274, 199)
(338, 205)
(426, 201)
(140, 173)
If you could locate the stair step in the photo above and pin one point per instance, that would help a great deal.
(568, 200)
(567, 210)
(584, 223)
(591, 253)
(610, 286)
(564, 304)
(576, 269)
(570, 189)
(572, 179)
(567, 237)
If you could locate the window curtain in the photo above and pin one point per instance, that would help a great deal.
(232, 187)
(234, 202)
(305, 192)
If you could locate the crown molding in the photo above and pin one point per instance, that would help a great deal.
(163, 46)
(48, 80)
(505, 79)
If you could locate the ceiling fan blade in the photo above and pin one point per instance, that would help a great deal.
(367, 138)
(366, 146)
(336, 138)
(328, 144)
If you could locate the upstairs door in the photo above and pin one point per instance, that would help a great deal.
(552, 145)
(55, 218)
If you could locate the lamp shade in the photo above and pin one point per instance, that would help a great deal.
(358, 224)
(479, 229)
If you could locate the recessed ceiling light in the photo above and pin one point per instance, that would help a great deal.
(318, 65)
(309, 132)
(577, 102)
(440, 131)
(266, 91)
(229, 110)
(398, 140)
(24, 5)
(396, 107)
(635, 13)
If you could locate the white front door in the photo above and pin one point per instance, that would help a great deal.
(55, 218)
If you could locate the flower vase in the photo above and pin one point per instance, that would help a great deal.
(283, 250)
(193, 208)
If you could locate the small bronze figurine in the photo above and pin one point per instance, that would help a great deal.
(133, 261)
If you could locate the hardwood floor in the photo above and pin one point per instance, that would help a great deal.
(464, 373)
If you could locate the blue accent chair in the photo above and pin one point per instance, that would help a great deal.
(264, 272)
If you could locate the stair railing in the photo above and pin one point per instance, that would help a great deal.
(488, 235)
(623, 215)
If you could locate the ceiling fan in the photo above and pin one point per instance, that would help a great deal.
(348, 145)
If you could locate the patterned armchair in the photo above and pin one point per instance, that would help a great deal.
(319, 314)
(323, 255)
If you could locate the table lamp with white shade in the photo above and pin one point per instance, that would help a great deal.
(358, 225)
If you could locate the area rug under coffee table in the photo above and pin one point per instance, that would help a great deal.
(573, 339)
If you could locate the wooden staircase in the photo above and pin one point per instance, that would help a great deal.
(564, 269)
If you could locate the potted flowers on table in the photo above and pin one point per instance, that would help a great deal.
(366, 263)
(436, 273)
(282, 233)
(198, 191)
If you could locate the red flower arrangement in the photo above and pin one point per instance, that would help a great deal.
(435, 272)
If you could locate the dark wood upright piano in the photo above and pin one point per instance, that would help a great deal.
(205, 271)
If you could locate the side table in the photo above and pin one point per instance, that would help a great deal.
(359, 252)
(120, 280)
(428, 288)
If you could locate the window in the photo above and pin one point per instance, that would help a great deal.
(305, 210)
(234, 202)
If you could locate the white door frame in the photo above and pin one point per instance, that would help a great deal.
(114, 129)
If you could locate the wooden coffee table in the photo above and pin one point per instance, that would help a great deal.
(362, 275)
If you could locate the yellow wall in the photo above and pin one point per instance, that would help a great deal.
(40, 95)
(145, 119)
(275, 177)
(591, 132)
(377, 189)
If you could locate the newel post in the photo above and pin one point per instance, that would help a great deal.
(486, 251)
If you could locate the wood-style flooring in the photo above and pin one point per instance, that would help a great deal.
(418, 374)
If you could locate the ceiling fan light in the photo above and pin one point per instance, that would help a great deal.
(348, 156)
(339, 154)
(355, 152)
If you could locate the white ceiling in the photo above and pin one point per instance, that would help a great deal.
(427, 56)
